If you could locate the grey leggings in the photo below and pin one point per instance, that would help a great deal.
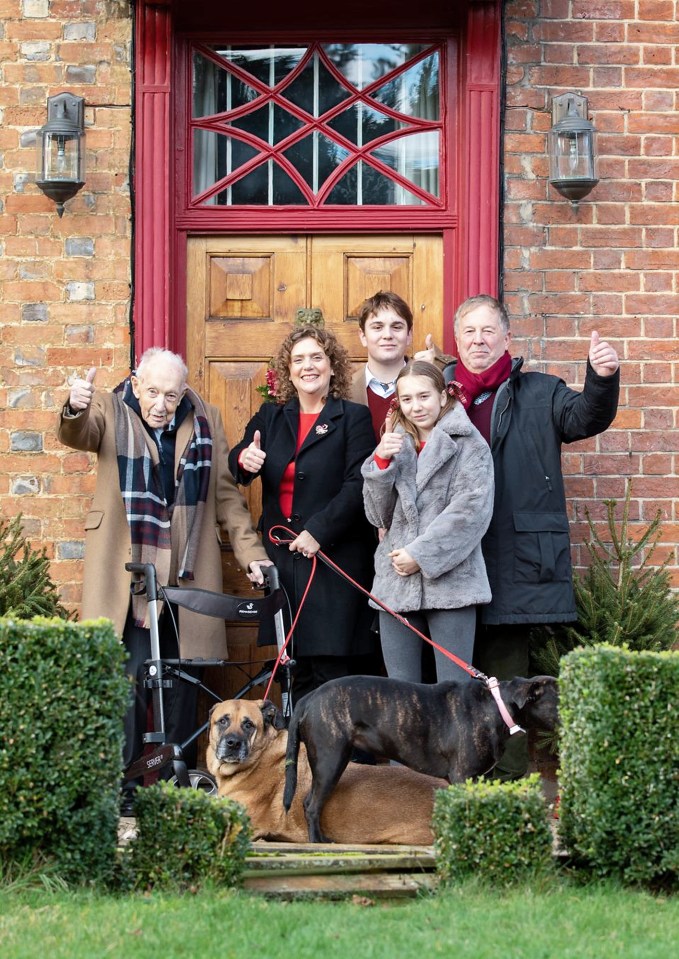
(453, 629)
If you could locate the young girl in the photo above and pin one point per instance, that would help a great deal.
(430, 484)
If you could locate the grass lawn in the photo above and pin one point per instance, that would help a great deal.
(555, 920)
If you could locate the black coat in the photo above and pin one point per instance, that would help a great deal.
(328, 503)
(527, 546)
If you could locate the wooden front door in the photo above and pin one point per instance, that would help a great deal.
(243, 294)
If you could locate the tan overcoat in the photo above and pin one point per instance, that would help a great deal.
(106, 587)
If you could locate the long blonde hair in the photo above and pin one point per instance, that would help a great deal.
(430, 372)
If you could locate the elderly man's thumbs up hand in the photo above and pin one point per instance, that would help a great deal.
(602, 356)
(82, 391)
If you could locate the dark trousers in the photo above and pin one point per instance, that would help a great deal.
(503, 652)
(180, 701)
(312, 671)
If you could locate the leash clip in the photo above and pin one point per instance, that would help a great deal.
(494, 687)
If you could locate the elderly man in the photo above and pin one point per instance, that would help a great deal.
(163, 493)
(525, 417)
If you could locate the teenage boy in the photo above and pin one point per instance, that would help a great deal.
(386, 331)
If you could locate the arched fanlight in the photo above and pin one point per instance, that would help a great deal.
(61, 149)
(571, 147)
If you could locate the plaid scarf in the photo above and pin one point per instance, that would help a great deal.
(151, 522)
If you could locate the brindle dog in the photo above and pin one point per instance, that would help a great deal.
(371, 804)
(453, 730)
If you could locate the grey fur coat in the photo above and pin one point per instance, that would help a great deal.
(436, 506)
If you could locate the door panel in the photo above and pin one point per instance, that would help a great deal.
(346, 270)
(243, 296)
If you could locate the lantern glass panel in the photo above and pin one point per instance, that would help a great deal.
(61, 157)
(571, 154)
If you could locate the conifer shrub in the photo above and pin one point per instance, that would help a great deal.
(619, 810)
(491, 831)
(185, 839)
(26, 588)
(64, 695)
(622, 598)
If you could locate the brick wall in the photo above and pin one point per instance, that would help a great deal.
(65, 282)
(612, 263)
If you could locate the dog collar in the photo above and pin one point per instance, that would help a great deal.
(494, 687)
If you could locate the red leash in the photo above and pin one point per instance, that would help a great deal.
(492, 683)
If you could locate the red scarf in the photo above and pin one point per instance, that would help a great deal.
(474, 384)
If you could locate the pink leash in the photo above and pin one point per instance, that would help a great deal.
(492, 683)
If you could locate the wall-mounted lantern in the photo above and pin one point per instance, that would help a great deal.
(571, 147)
(61, 149)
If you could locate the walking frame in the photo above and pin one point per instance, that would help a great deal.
(161, 674)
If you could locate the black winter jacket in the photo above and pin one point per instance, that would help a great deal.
(328, 502)
(527, 546)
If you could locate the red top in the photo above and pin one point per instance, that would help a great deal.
(287, 487)
(382, 463)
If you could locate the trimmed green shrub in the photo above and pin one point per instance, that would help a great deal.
(186, 838)
(492, 831)
(619, 813)
(64, 695)
(26, 588)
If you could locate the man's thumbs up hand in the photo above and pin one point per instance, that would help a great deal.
(82, 391)
(602, 356)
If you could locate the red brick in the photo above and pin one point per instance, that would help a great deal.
(603, 9)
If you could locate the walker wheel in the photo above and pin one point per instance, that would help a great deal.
(200, 779)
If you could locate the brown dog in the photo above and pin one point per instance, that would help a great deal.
(371, 804)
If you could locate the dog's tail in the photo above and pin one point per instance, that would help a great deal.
(291, 761)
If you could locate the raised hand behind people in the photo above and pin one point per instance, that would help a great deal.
(82, 391)
(602, 356)
(428, 354)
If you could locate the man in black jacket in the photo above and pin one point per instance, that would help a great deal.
(525, 417)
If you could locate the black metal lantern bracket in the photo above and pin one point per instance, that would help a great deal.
(61, 149)
(572, 147)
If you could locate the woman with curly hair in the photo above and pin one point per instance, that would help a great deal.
(308, 448)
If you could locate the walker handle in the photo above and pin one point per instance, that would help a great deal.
(149, 572)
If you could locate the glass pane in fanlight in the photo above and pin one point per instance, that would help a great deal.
(270, 123)
(363, 63)
(217, 91)
(215, 156)
(361, 124)
(415, 157)
(264, 186)
(315, 89)
(414, 92)
(268, 64)
(364, 186)
(316, 157)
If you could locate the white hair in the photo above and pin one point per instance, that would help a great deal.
(159, 353)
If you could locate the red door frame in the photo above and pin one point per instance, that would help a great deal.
(470, 251)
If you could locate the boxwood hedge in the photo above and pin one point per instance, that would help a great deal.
(492, 831)
(619, 811)
(64, 695)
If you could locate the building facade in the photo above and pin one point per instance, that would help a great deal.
(241, 168)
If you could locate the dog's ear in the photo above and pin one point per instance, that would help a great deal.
(272, 715)
(531, 690)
